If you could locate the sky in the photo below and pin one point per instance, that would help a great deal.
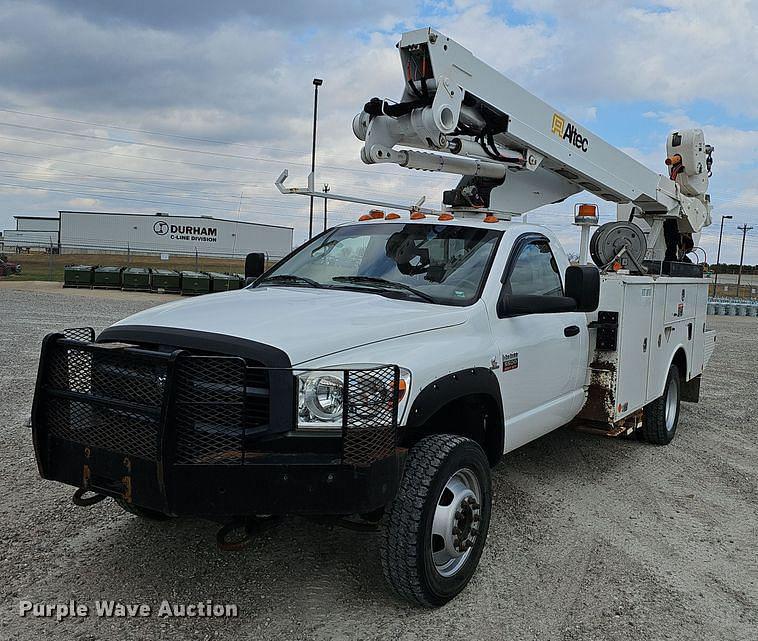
(190, 107)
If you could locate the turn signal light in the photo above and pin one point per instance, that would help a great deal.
(392, 216)
(417, 215)
(402, 388)
(587, 210)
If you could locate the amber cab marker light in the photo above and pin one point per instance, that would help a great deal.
(364, 217)
(490, 219)
(446, 217)
(392, 216)
(587, 210)
(376, 213)
(417, 215)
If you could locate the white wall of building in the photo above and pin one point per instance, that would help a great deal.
(32, 223)
(38, 239)
(178, 235)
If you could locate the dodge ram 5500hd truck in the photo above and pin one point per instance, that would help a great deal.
(378, 372)
(383, 366)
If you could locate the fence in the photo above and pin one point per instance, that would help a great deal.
(732, 307)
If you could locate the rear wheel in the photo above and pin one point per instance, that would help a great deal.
(661, 417)
(438, 522)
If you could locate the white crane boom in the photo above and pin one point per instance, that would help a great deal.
(516, 152)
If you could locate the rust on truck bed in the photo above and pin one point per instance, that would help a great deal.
(600, 392)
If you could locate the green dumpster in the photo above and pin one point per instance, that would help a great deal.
(166, 280)
(194, 283)
(107, 277)
(136, 279)
(223, 282)
(78, 275)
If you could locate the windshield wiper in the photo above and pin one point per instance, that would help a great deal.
(384, 284)
(290, 278)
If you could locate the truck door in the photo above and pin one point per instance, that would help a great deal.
(543, 356)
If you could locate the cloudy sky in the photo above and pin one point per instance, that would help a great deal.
(188, 106)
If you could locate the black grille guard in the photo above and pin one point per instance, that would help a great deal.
(129, 421)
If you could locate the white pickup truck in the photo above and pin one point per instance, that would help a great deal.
(382, 367)
(378, 372)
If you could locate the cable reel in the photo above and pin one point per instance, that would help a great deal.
(620, 241)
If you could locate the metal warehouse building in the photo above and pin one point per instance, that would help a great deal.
(33, 232)
(103, 232)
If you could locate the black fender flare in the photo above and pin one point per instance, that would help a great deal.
(454, 386)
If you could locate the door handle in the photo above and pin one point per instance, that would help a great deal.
(571, 330)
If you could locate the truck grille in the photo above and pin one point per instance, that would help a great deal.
(110, 400)
(210, 410)
(174, 407)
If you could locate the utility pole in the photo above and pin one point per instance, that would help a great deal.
(326, 200)
(718, 257)
(317, 82)
(744, 229)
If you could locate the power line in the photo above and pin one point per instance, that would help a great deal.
(183, 149)
(149, 132)
(136, 181)
(146, 158)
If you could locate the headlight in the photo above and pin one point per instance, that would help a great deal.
(321, 395)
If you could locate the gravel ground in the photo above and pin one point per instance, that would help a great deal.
(591, 538)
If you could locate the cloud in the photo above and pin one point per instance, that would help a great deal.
(91, 203)
(241, 71)
(203, 15)
(670, 51)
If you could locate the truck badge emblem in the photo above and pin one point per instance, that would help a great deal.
(510, 361)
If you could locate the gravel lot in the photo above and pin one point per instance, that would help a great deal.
(591, 538)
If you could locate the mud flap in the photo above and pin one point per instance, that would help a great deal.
(691, 390)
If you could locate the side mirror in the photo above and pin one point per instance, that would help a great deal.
(534, 304)
(255, 265)
(583, 285)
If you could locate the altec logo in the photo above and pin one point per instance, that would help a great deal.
(564, 129)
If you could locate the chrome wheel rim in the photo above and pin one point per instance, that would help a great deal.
(671, 404)
(455, 527)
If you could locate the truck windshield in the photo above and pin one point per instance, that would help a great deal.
(444, 264)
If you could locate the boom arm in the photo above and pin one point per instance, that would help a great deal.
(514, 151)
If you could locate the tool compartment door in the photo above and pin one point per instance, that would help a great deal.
(634, 348)
(698, 343)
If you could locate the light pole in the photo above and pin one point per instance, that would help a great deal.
(326, 200)
(317, 82)
(718, 257)
(744, 229)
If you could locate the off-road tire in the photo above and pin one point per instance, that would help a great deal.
(406, 549)
(143, 513)
(655, 427)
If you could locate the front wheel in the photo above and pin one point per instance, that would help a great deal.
(662, 415)
(438, 522)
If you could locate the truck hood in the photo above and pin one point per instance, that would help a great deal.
(305, 323)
